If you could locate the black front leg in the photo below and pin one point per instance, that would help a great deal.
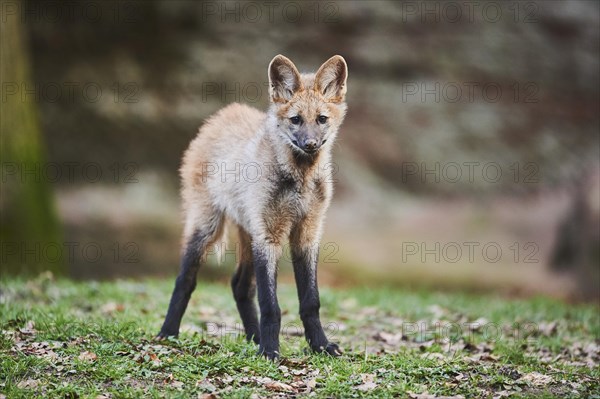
(305, 271)
(184, 286)
(265, 268)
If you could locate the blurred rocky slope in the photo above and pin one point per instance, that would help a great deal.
(435, 89)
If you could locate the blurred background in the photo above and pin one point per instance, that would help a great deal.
(469, 158)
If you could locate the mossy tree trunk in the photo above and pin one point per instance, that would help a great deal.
(30, 231)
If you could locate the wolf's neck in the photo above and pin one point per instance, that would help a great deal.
(302, 167)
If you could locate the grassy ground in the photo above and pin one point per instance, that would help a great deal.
(67, 339)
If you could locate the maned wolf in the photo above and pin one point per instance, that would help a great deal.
(284, 196)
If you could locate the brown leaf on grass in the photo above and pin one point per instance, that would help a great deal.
(479, 348)
(368, 311)
(348, 304)
(154, 359)
(303, 386)
(28, 383)
(367, 386)
(206, 385)
(478, 324)
(302, 371)
(169, 379)
(147, 353)
(510, 372)
(547, 328)
(536, 379)
(479, 352)
(87, 356)
(311, 383)
(426, 395)
(426, 344)
(207, 311)
(481, 357)
(207, 396)
(437, 311)
(368, 382)
(29, 328)
(583, 354)
(388, 338)
(190, 328)
(78, 341)
(279, 387)
(39, 349)
(112, 307)
(291, 362)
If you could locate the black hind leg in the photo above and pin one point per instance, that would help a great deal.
(186, 280)
(244, 289)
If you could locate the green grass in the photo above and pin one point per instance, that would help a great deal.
(73, 339)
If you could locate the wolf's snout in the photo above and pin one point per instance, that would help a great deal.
(310, 145)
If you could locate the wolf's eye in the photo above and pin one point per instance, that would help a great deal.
(295, 120)
(322, 119)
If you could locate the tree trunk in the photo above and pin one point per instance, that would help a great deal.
(30, 233)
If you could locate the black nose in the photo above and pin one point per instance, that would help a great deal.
(310, 145)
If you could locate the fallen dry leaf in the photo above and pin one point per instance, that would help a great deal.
(367, 386)
(190, 328)
(388, 338)
(112, 307)
(29, 328)
(88, 356)
(437, 311)
(311, 383)
(547, 328)
(206, 385)
(478, 324)
(368, 311)
(426, 395)
(537, 379)
(28, 383)
(368, 382)
(279, 386)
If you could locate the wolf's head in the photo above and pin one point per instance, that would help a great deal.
(307, 109)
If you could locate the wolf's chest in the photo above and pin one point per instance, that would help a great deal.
(291, 199)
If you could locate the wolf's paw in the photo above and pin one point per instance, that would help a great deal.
(163, 335)
(272, 355)
(253, 337)
(331, 349)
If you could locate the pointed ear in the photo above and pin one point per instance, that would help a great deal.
(284, 79)
(330, 79)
